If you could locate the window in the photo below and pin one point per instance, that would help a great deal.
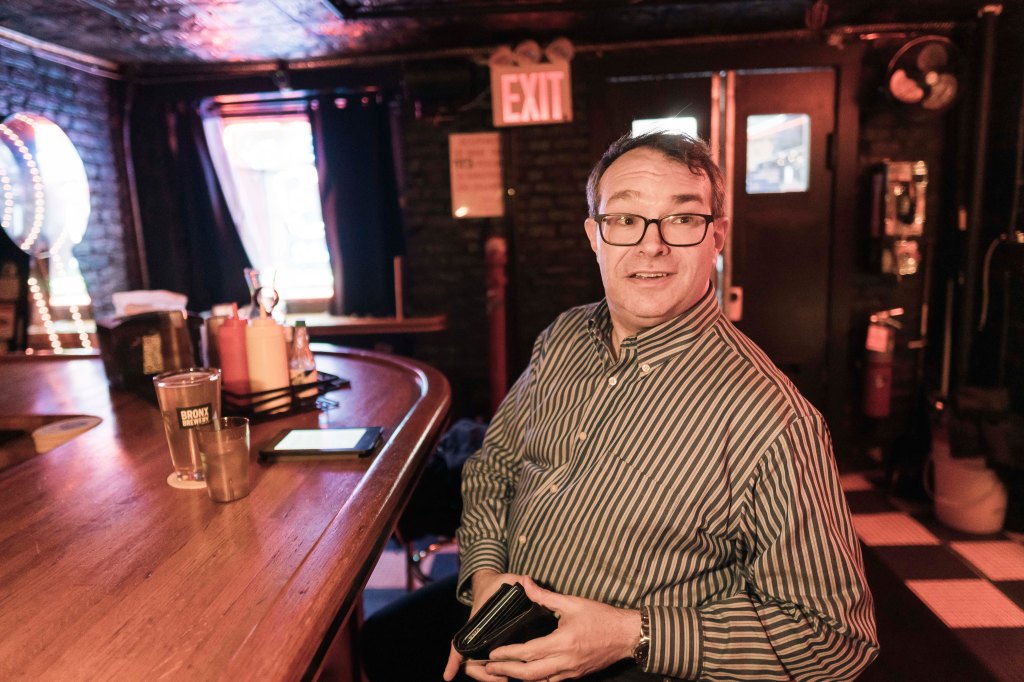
(268, 173)
(778, 149)
(675, 124)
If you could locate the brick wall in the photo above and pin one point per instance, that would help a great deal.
(553, 267)
(889, 134)
(550, 265)
(892, 132)
(85, 107)
(947, 143)
(445, 267)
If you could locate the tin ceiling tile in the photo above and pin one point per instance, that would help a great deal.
(307, 12)
(163, 32)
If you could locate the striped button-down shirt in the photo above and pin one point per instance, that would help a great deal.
(688, 475)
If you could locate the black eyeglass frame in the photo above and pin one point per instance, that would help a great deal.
(708, 219)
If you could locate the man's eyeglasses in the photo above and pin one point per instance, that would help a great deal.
(628, 229)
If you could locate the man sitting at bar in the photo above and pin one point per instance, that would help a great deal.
(668, 486)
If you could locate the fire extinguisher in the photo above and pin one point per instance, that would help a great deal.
(880, 346)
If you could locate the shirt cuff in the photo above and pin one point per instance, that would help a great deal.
(676, 642)
(481, 554)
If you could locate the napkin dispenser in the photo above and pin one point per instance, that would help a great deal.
(135, 348)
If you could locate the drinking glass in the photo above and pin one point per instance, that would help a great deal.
(224, 447)
(188, 398)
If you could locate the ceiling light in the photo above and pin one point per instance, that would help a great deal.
(559, 51)
(527, 52)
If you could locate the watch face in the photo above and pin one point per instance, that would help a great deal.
(641, 651)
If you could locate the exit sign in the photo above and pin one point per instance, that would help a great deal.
(531, 95)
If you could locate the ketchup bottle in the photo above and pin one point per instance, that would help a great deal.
(234, 364)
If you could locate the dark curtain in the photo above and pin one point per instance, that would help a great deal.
(358, 191)
(192, 246)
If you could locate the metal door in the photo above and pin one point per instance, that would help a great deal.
(772, 132)
(782, 217)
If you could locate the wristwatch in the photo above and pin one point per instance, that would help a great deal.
(643, 647)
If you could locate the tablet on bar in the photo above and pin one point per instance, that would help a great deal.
(304, 444)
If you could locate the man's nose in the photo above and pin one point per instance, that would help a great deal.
(652, 242)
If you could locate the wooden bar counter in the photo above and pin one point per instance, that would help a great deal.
(108, 573)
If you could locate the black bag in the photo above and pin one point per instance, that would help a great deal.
(436, 504)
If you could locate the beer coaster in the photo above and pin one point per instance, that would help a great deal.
(49, 436)
(176, 482)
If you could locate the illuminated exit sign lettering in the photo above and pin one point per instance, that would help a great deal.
(531, 95)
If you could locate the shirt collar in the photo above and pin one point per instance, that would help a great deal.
(658, 343)
(599, 327)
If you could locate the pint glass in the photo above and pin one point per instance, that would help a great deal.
(188, 398)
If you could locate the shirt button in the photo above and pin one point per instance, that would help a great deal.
(522, 539)
(645, 368)
(612, 381)
(553, 488)
(582, 435)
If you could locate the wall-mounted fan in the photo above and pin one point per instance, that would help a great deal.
(925, 73)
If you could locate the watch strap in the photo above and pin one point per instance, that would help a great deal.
(643, 647)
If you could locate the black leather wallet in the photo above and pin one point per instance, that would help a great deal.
(508, 617)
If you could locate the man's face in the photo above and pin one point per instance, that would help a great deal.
(651, 282)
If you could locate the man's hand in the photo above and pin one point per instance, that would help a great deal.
(590, 637)
(485, 583)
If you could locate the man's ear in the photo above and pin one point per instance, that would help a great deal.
(719, 231)
(590, 225)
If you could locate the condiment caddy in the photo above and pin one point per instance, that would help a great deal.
(265, 373)
(287, 400)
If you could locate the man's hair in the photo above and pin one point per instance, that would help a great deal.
(689, 151)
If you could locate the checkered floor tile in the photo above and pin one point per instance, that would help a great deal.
(973, 584)
(997, 560)
(968, 603)
(891, 528)
(855, 482)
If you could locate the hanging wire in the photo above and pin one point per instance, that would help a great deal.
(983, 317)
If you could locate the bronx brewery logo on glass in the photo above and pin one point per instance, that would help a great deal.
(191, 417)
(188, 398)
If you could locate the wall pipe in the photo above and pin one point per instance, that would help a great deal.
(496, 251)
(128, 166)
(989, 15)
(1018, 173)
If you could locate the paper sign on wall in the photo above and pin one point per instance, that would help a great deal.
(531, 95)
(474, 161)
